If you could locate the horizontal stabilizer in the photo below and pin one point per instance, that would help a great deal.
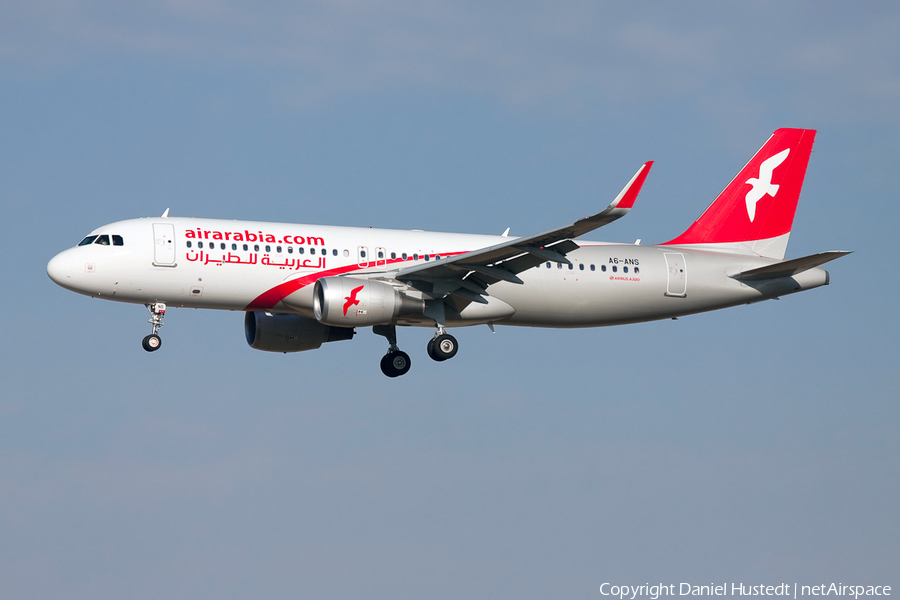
(789, 268)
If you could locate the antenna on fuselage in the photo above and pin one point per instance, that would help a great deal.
(165, 214)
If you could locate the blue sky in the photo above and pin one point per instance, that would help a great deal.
(752, 444)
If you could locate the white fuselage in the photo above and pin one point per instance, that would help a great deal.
(256, 266)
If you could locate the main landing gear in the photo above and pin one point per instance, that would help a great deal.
(152, 342)
(395, 363)
(442, 346)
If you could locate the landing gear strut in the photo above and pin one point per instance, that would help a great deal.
(152, 342)
(442, 346)
(396, 362)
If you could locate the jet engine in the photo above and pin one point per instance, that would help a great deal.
(350, 302)
(289, 333)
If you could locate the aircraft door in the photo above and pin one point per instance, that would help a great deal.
(676, 282)
(163, 245)
(362, 253)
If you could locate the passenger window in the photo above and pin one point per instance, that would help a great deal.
(290, 249)
(637, 270)
(581, 267)
(380, 254)
(301, 250)
(559, 265)
(103, 240)
(234, 246)
(334, 252)
(425, 257)
(188, 243)
(603, 268)
(118, 241)
(278, 249)
(88, 240)
(571, 266)
(245, 247)
(222, 246)
(615, 268)
(415, 256)
(548, 265)
(346, 253)
(393, 255)
(268, 248)
(403, 256)
(592, 268)
(199, 244)
(624, 269)
(313, 251)
(256, 247)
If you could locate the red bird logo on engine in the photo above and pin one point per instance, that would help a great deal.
(351, 299)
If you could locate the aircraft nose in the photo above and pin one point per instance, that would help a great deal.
(60, 269)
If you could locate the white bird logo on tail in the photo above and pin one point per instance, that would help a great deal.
(764, 185)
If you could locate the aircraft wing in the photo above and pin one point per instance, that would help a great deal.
(469, 274)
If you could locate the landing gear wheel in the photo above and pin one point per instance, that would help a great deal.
(443, 347)
(152, 342)
(395, 364)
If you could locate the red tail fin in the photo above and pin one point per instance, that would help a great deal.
(755, 212)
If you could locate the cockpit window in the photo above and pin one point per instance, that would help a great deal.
(118, 241)
(88, 240)
(103, 240)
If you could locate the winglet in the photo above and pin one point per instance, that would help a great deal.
(547, 246)
(630, 192)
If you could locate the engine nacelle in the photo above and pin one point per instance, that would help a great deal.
(289, 333)
(350, 302)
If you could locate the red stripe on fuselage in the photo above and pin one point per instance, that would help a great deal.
(273, 296)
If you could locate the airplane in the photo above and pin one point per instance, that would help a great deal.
(301, 286)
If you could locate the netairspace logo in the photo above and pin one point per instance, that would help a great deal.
(654, 592)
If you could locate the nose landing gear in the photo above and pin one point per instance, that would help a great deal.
(152, 342)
